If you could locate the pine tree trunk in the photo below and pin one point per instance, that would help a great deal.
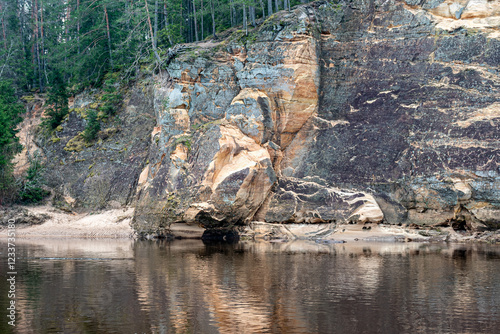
(213, 17)
(37, 47)
(245, 19)
(231, 8)
(202, 33)
(151, 32)
(195, 21)
(78, 26)
(276, 2)
(42, 34)
(165, 19)
(33, 37)
(3, 29)
(269, 7)
(262, 7)
(182, 22)
(252, 15)
(191, 25)
(165, 24)
(109, 37)
(21, 24)
(155, 36)
(66, 22)
(235, 14)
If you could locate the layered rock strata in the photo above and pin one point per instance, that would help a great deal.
(362, 111)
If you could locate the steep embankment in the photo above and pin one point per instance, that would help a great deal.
(363, 111)
(359, 111)
(101, 173)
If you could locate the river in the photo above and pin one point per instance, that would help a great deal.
(127, 286)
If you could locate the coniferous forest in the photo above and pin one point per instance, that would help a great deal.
(56, 48)
(85, 39)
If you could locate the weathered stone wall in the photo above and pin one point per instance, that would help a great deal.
(418, 93)
(104, 172)
(359, 111)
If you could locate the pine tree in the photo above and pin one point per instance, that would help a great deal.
(93, 126)
(57, 101)
(10, 112)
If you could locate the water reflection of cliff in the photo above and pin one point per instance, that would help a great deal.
(305, 287)
(161, 287)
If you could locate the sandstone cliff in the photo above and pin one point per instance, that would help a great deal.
(358, 111)
(361, 111)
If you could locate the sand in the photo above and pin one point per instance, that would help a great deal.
(115, 223)
(107, 224)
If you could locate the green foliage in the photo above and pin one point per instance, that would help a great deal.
(32, 187)
(184, 140)
(93, 126)
(111, 98)
(10, 117)
(111, 103)
(77, 144)
(170, 35)
(58, 102)
(86, 39)
(336, 6)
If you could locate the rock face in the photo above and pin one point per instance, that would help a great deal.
(103, 173)
(363, 111)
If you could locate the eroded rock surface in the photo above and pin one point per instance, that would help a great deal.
(359, 111)
(102, 173)
(364, 111)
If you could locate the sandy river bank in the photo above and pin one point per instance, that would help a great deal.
(46, 221)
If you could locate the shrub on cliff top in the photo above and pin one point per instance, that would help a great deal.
(93, 126)
(111, 97)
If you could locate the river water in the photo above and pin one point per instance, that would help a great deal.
(126, 286)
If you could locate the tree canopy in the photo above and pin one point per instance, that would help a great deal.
(85, 39)
(61, 47)
(10, 117)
